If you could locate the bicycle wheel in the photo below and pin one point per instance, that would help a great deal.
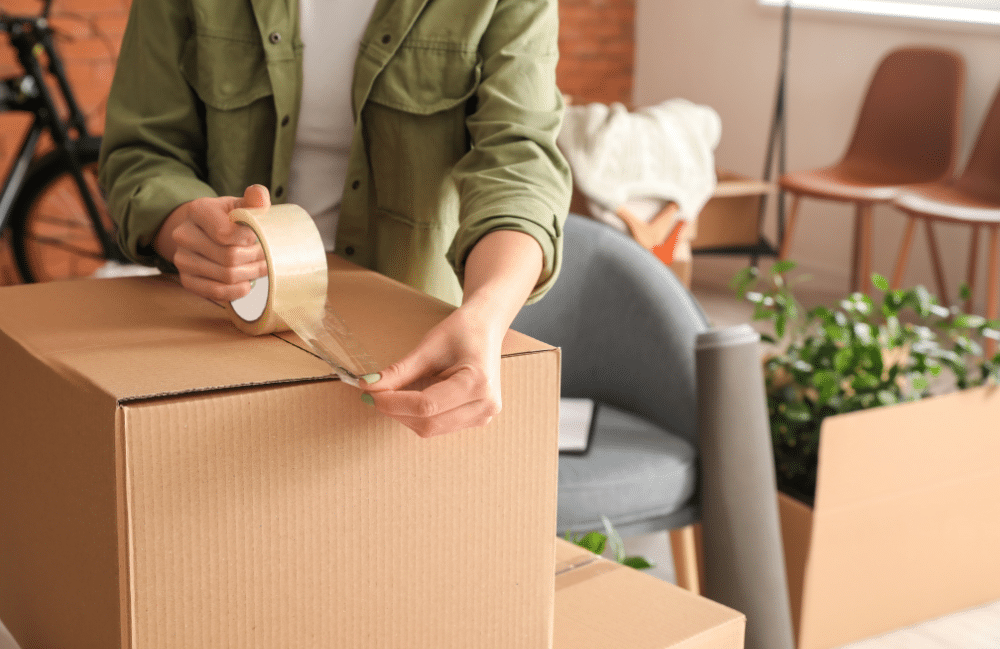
(53, 235)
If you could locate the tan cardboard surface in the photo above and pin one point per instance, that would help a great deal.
(796, 530)
(226, 498)
(145, 336)
(906, 524)
(603, 605)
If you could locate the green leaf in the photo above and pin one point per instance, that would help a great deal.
(593, 541)
(880, 282)
(637, 562)
(782, 267)
(798, 412)
(920, 383)
(843, 360)
(744, 279)
(827, 384)
(923, 301)
(969, 321)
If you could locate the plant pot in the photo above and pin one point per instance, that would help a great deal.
(906, 521)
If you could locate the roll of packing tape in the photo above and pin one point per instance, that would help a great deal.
(294, 289)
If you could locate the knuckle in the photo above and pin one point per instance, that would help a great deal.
(493, 408)
(231, 275)
(425, 408)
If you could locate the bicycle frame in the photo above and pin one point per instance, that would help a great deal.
(32, 37)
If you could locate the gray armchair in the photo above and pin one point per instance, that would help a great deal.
(627, 329)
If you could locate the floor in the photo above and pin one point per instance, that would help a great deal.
(977, 628)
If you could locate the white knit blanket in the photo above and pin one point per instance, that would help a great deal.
(658, 154)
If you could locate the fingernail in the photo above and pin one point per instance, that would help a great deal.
(367, 398)
(372, 378)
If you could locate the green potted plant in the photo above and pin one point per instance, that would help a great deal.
(885, 422)
(863, 353)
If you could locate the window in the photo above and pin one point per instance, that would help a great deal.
(984, 12)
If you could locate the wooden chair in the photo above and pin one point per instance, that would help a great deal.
(972, 199)
(906, 133)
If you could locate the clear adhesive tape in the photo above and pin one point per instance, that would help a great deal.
(293, 293)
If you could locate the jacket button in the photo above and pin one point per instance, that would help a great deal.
(279, 192)
(386, 38)
(349, 250)
(274, 37)
(355, 184)
(285, 120)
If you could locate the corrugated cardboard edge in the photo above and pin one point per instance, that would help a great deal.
(663, 616)
(900, 487)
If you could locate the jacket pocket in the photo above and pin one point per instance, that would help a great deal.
(226, 73)
(230, 77)
(427, 78)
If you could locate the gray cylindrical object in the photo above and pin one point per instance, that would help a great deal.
(744, 558)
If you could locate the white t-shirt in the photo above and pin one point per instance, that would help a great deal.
(331, 32)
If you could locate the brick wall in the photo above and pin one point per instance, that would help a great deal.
(596, 41)
(597, 49)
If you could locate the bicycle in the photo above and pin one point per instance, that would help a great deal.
(57, 215)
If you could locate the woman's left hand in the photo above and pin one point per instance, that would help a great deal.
(451, 381)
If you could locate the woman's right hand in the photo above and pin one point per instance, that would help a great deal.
(215, 257)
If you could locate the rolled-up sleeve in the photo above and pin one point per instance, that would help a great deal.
(152, 155)
(514, 177)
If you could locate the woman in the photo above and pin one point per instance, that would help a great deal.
(433, 161)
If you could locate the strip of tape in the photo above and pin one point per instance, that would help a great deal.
(293, 294)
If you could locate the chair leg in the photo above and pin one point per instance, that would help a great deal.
(904, 252)
(993, 287)
(936, 262)
(685, 552)
(970, 275)
(786, 241)
(861, 257)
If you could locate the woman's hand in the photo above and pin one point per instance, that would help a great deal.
(216, 258)
(451, 381)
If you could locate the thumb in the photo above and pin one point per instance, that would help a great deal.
(255, 196)
(418, 363)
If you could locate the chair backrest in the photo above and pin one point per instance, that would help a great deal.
(626, 326)
(908, 126)
(981, 176)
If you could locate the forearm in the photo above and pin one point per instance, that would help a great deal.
(500, 273)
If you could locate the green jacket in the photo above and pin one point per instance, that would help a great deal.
(456, 114)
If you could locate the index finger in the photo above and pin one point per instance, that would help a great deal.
(458, 389)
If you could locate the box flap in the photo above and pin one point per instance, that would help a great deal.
(146, 336)
(902, 486)
(600, 603)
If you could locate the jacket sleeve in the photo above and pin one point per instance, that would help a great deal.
(514, 176)
(153, 152)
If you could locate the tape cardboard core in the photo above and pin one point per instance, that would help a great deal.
(251, 306)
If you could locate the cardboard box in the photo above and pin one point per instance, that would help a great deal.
(169, 482)
(605, 605)
(731, 216)
(906, 523)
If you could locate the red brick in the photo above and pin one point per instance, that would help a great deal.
(70, 27)
(86, 49)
